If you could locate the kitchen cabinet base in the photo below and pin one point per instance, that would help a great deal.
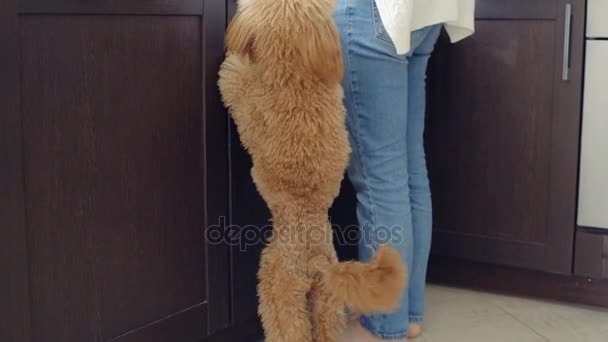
(518, 282)
(249, 331)
(591, 253)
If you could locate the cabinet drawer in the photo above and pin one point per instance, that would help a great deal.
(597, 25)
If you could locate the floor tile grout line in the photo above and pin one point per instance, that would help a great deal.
(522, 322)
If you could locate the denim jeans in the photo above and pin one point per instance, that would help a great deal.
(385, 103)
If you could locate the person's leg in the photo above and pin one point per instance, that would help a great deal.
(420, 193)
(376, 99)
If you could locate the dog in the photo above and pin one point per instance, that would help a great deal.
(280, 81)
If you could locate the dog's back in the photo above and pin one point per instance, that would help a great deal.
(294, 68)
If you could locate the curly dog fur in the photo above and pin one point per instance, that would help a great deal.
(281, 83)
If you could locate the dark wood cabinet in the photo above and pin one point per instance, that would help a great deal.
(112, 164)
(503, 136)
(113, 146)
(502, 139)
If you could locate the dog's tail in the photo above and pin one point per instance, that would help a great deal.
(371, 287)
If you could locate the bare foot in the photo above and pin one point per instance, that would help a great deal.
(414, 330)
(356, 333)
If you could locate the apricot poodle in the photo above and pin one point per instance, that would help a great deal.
(281, 83)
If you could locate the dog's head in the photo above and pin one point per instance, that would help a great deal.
(302, 32)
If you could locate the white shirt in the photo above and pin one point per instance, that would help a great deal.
(401, 17)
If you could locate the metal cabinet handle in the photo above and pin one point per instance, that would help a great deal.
(567, 38)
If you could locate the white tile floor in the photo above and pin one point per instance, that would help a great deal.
(455, 315)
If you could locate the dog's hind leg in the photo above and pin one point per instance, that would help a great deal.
(328, 316)
(283, 303)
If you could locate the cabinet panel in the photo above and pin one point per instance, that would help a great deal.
(184, 7)
(251, 217)
(14, 289)
(591, 258)
(119, 155)
(489, 151)
(502, 138)
(216, 165)
(515, 9)
(181, 326)
(113, 172)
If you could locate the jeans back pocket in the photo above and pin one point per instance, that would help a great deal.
(379, 29)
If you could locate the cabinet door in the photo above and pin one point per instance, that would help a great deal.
(503, 135)
(103, 195)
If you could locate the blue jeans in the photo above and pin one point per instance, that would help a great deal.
(385, 103)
